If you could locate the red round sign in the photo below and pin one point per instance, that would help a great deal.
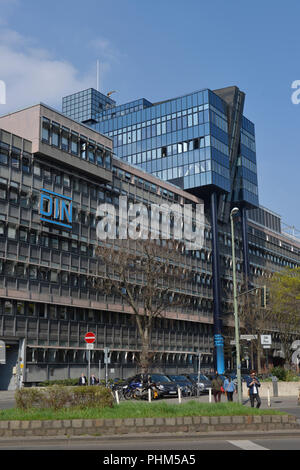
(90, 337)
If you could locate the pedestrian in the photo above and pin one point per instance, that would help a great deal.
(229, 387)
(253, 385)
(82, 380)
(217, 385)
(94, 380)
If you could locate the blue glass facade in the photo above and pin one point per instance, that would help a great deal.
(85, 105)
(182, 140)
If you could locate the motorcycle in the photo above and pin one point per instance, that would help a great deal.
(139, 391)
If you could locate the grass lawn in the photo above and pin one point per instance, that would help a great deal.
(138, 409)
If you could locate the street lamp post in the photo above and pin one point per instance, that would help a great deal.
(233, 212)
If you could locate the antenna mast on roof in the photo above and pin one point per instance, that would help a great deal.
(98, 76)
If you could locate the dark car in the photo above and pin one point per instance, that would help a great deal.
(204, 382)
(184, 383)
(164, 385)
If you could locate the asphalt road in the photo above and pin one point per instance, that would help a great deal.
(132, 445)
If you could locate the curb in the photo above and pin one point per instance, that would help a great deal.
(152, 427)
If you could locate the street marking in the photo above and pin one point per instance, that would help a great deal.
(247, 445)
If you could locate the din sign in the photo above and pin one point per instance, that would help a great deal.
(56, 208)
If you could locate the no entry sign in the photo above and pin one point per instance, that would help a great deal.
(90, 338)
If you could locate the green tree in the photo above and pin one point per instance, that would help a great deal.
(284, 305)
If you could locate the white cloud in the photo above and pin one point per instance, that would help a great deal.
(32, 75)
(105, 50)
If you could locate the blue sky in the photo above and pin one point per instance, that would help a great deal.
(160, 49)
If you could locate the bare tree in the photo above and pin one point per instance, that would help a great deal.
(144, 273)
(255, 319)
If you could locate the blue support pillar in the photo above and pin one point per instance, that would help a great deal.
(218, 338)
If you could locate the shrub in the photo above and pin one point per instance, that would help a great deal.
(57, 397)
(279, 372)
(66, 382)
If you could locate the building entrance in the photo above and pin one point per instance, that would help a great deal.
(8, 377)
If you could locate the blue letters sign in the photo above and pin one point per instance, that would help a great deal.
(56, 208)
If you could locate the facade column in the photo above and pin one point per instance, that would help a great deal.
(218, 338)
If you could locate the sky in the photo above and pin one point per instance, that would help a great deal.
(161, 49)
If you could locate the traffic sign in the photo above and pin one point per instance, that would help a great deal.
(266, 339)
(90, 337)
(248, 337)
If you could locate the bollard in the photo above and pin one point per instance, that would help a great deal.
(269, 401)
(209, 395)
(275, 386)
(117, 397)
(149, 395)
(179, 394)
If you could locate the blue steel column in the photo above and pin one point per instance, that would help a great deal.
(218, 338)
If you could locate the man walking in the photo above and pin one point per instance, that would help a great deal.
(217, 385)
(253, 384)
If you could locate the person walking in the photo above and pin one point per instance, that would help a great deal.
(94, 380)
(229, 387)
(217, 385)
(82, 380)
(253, 385)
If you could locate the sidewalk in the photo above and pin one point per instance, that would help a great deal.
(275, 402)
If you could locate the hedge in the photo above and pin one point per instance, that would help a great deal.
(58, 396)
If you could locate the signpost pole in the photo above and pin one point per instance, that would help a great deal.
(89, 338)
(89, 366)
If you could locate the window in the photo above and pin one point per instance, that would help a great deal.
(74, 144)
(91, 155)
(53, 276)
(47, 174)
(65, 245)
(23, 235)
(32, 272)
(65, 139)
(25, 165)
(36, 169)
(55, 135)
(46, 130)
(11, 232)
(83, 150)
(15, 162)
(3, 158)
(66, 180)
(13, 196)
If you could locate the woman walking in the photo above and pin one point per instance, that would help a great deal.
(229, 387)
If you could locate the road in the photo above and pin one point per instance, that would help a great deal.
(232, 442)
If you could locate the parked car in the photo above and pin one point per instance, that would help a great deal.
(165, 386)
(184, 383)
(204, 383)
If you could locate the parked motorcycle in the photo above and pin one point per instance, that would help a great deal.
(139, 391)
